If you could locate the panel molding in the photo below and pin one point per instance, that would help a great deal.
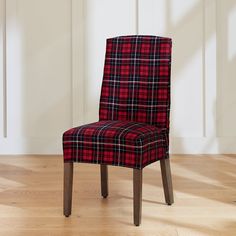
(4, 70)
(1, 69)
(3, 76)
(137, 16)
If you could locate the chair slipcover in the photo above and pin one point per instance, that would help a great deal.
(133, 126)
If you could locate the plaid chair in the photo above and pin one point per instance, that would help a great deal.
(133, 126)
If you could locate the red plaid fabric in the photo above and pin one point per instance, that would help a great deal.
(133, 130)
(122, 143)
(136, 81)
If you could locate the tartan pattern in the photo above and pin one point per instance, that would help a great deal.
(133, 127)
(136, 80)
(121, 143)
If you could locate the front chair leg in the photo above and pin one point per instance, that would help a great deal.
(167, 181)
(137, 192)
(68, 182)
(104, 180)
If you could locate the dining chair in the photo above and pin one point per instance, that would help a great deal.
(133, 126)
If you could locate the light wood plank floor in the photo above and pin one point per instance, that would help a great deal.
(31, 198)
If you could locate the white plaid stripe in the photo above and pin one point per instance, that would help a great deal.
(134, 75)
(114, 86)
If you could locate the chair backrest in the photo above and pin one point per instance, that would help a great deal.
(136, 80)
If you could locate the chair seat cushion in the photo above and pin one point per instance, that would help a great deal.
(119, 143)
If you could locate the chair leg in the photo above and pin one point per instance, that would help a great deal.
(68, 182)
(137, 192)
(104, 180)
(167, 181)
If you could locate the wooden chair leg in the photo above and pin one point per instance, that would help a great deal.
(104, 180)
(137, 192)
(167, 181)
(68, 183)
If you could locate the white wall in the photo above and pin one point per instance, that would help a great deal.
(54, 62)
(38, 76)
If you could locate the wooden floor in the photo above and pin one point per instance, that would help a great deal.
(31, 198)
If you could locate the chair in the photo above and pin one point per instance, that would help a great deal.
(133, 126)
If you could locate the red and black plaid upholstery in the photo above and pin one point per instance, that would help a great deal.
(133, 127)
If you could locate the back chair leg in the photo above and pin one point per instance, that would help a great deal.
(104, 180)
(137, 192)
(167, 181)
(68, 182)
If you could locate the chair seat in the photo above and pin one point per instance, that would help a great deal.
(119, 143)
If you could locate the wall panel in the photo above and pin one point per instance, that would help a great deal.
(103, 19)
(54, 64)
(183, 22)
(226, 112)
(38, 70)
